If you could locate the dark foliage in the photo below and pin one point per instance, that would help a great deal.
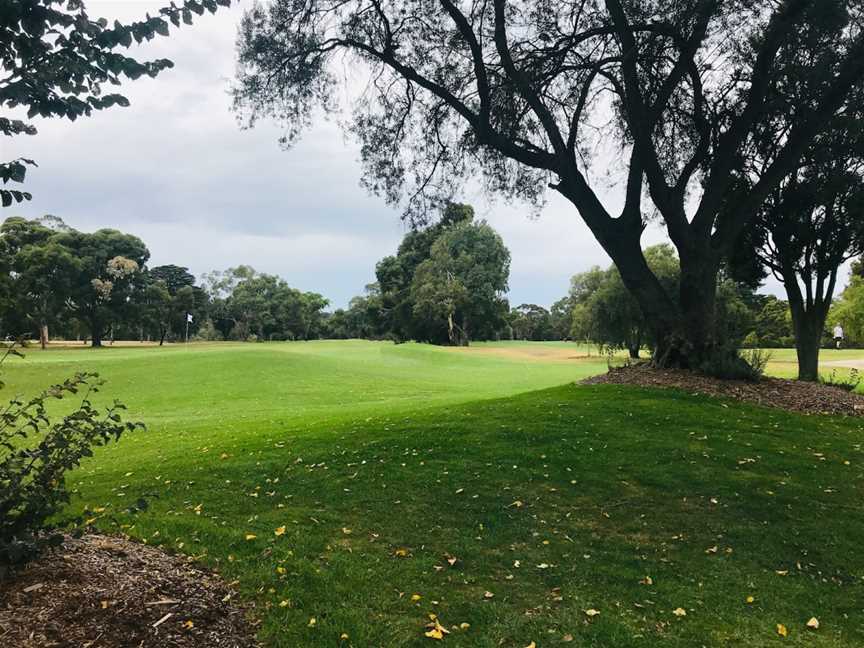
(56, 60)
(36, 452)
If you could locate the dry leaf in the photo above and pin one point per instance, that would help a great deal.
(416, 597)
(679, 612)
(188, 624)
(750, 599)
(781, 630)
(251, 536)
(313, 622)
(592, 612)
(402, 552)
(279, 531)
(488, 595)
(531, 645)
(813, 623)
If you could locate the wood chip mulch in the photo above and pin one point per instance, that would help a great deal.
(792, 395)
(108, 592)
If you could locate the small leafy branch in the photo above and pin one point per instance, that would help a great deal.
(36, 454)
(848, 383)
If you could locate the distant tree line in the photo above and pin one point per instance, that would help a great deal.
(58, 282)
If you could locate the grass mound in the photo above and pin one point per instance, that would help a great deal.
(576, 515)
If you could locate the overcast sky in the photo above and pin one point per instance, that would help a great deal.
(177, 170)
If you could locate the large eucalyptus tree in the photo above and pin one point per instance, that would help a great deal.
(528, 95)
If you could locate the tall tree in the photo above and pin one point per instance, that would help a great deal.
(523, 92)
(43, 270)
(110, 271)
(395, 275)
(56, 59)
(459, 288)
(811, 224)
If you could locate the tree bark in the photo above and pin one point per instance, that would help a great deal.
(807, 348)
(808, 324)
(43, 335)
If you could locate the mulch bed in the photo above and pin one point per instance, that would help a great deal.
(792, 395)
(107, 592)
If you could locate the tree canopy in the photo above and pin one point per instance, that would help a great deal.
(533, 94)
(56, 60)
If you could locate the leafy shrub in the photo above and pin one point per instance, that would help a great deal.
(751, 340)
(36, 453)
(729, 364)
(848, 383)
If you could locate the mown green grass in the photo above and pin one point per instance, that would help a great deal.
(383, 461)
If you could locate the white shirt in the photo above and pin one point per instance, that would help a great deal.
(838, 331)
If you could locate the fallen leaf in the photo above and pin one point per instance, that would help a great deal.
(188, 624)
(416, 597)
(592, 612)
(402, 552)
(567, 638)
(750, 599)
(647, 581)
(679, 612)
(279, 531)
(343, 636)
(313, 622)
(813, 623)
(251, 536)
(531, 645)
(781, 630)
(488, 595)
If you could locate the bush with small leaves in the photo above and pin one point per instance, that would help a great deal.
(36, 452)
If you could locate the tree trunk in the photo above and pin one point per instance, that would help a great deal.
(96, 330)
(684, 332)
(43, 335)
(808, 325)
(807, 348)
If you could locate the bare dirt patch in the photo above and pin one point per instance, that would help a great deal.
(792, 395)
(537, 353)
(106, 592)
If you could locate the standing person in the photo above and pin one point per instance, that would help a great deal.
(838, 335)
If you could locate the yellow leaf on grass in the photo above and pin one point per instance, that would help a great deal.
(781, 630)
(284, 603)
(647, 581)
(531, 645)
(344, 636)
(281, 571)
(251, 536)
(435, 630)
(679, 612)
(591, 612)
(435, 633)
(488, 595)
(313, 622)
(279, 531)
(750, 599)
(401, 552)
(813, 623)
(416, 597)
(464, 626)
